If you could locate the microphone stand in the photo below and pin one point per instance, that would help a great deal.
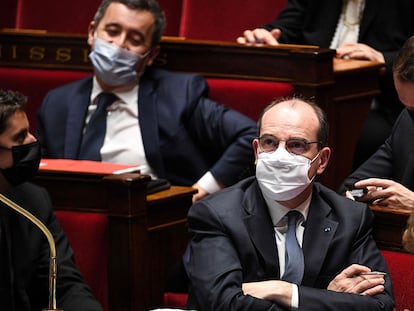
(48, 234)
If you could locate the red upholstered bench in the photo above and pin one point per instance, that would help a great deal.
(247, 96)
(401, 268)
(87, 234)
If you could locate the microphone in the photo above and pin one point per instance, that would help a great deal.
(48, 234)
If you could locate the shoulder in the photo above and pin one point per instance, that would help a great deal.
(230, 200)
(32, 198)
(157, 74)
(81, 85)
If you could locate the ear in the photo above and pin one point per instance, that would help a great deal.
(324, 156)
(153, 55)
(255, 144)
(91, 32)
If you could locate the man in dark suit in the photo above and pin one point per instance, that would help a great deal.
(24, 250)
(388, 174)
(161, 120)
(379, 28)
(239, 240)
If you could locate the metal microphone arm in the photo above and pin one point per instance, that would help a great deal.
(49, 236)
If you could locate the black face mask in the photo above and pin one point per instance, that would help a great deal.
(26, 159)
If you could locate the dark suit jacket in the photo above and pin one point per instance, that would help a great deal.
(184, 133)
(27, 258)
(385, 26)
(395, 158)
(233, 241)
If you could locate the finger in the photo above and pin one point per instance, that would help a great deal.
(249, 36)
(374, 290)
(376, 182)
(241, 40)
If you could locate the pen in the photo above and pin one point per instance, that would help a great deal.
(373, 273)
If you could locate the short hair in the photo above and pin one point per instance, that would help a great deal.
(403, 66)
(323, 131)
(10, 103)
(151, 6)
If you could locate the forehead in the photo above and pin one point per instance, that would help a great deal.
(291, 119)
(405, 92)
(120, 15)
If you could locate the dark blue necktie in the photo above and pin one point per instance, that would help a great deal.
(94, 135)
(294, 263)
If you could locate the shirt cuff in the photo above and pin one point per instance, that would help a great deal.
(209, 183)
(295, 297)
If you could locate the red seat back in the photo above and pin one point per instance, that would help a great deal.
(87, 234)
(225, 20)
(401, 268)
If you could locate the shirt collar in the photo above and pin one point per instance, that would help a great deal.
(129, 96)
(278, 211)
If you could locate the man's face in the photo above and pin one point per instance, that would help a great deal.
(299, 121)
(16, 133)
(129, 29)
(405, 92)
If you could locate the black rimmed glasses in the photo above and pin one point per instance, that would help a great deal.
(269, 143)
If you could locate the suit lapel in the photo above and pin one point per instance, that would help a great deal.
(78, 108)
(148, 120)
(319, 231)
(370, 11)
(258, 223)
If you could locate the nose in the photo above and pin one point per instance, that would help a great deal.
(30, 138)
(121, 41)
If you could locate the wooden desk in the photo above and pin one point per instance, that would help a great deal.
(389, 226)
(147, 235)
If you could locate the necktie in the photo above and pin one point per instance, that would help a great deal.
(94, 135)
(294, 263)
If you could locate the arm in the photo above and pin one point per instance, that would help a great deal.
(224, 133)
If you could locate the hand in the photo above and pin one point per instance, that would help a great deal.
(359, 51)
(200, 194)
(275, 290)
(260, 36)
(386, 192)
(350, 281)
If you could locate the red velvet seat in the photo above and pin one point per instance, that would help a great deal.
(225, 20)
(48, 15)
(87, 234)
(401, 268)
(247, 96)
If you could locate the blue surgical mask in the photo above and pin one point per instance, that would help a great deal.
(114, 65)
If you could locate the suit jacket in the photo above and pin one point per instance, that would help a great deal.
(184, 133)
(233, 241)
(394, 159)
(385, 26)
(26, 258)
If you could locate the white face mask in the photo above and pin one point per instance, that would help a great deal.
(282, 175)
(114, 65)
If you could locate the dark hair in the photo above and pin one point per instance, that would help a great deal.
(323, 131)
(403, 66)
(151, 6)
(10, 103)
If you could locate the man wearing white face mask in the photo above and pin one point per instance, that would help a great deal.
(160, 120)
(279, 240)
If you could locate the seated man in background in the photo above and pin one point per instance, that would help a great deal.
(388, 175)
(158, 119)
(357, 29)
(24, 250)
(280, 241)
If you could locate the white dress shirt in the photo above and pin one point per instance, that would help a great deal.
(278, 214)
(347, 29)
